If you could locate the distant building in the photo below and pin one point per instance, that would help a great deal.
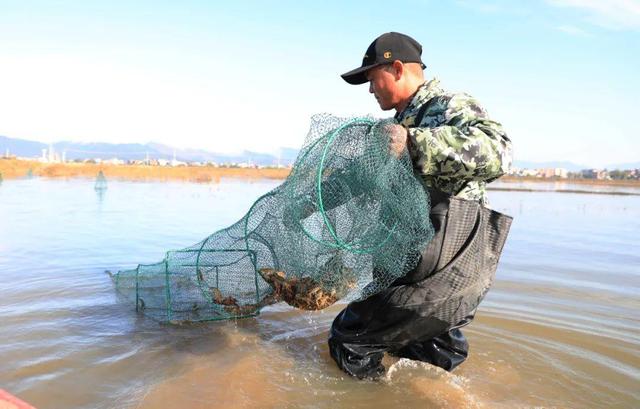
(51, 156)
(594, 174)
(175, 162)
(553, 173)
(113, 161)
(547, 173)
(513, 171)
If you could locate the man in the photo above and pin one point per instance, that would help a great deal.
(456, 150)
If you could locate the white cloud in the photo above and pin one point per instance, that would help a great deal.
(573, 30)
(612, 14)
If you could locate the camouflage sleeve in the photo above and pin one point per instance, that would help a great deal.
(468, 146)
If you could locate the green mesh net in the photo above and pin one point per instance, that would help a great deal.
(349, 220)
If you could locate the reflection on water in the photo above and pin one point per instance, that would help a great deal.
(559, 328)
(100, 193)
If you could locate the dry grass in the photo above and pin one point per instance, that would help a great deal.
(12, 168)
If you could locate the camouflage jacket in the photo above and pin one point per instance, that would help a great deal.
(455, 148)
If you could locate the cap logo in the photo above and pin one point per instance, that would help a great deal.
(387, 54)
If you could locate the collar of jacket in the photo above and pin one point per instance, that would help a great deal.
(422, 95)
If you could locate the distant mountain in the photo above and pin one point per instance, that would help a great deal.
(136, 151)
(288, 154)
(75, 150)
(624, 166)
(20, 147)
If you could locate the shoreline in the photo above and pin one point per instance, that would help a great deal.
(584, 192)
(589, 182)
(16, 169)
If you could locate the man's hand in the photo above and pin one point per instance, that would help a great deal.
(397, 138)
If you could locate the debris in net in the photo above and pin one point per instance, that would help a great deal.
(304, 293)
(232, 306)
(217, 297)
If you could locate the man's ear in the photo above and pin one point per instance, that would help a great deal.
(398, 69)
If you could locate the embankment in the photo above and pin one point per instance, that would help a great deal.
(12, 168)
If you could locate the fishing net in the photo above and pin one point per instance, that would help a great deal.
(349, 220)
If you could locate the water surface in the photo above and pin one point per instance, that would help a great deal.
(559, 328)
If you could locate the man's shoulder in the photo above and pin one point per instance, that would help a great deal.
(434, 106)
(432, 94)
(443, 100)
(464, 101)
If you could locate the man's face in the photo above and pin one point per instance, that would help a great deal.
(383, 85)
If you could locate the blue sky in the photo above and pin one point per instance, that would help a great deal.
(561, 75)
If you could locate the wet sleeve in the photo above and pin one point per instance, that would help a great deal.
(469, 146)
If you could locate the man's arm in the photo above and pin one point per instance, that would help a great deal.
(469, 146)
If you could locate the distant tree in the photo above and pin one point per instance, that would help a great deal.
(618, 174)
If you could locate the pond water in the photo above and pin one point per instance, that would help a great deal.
(560, 327)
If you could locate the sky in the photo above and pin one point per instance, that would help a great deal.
(562, 76)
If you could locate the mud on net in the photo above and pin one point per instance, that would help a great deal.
(350, 219)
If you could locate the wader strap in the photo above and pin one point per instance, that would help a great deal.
(420, 115)
(439, 199)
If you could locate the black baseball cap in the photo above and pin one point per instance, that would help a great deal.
(384, 50)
